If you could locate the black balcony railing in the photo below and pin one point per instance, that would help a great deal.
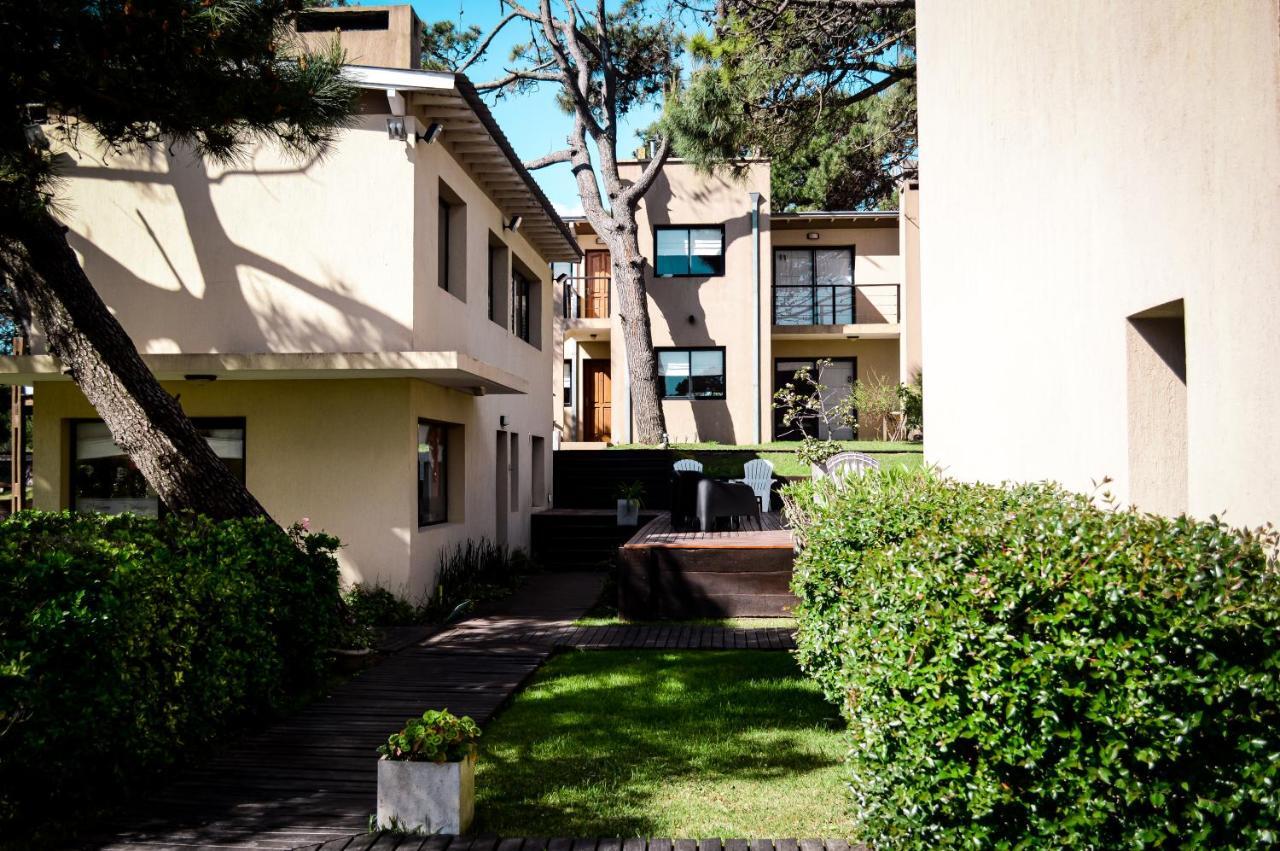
(844, 304)
(586, 297)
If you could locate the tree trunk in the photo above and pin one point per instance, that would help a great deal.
(637, 336)
(145, 421)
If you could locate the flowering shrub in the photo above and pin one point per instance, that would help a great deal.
(1020, 667)
(438, 736)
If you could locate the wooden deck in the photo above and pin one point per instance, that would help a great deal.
(766, 532)
(492, 843)
(668, 573)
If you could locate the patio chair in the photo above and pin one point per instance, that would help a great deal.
(730, 501)
(758, 473)
(844, 464)
(688, 465)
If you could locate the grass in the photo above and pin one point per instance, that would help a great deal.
(786, 446)
(726, 460)
(697, 743)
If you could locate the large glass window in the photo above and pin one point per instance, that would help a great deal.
(567, 384)
(433, 473)
(813, 286)
(691, 373)
(688, 251)
(105, 480)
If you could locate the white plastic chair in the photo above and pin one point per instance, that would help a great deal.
(688, 465)
(845, 464)
(758, 473)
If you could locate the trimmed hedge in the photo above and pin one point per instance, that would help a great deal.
(127, 642)
(1022, 668)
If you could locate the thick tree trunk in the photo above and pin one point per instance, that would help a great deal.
(145, 421)
(637, 336)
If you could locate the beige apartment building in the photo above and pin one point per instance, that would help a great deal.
(1101, 266)
(364, 338)
(740, 298)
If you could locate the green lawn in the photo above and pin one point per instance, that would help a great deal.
(729, 623)
(726, 460)
(664, 743)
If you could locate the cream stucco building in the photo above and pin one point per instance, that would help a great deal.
(739, 298)
(365, 338)
(1100, 263)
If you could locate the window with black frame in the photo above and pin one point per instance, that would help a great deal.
(106, 481)
(813, 286)
(520, 306)
(691, 373)
(688, 252)
(433, 473)
(567, 383)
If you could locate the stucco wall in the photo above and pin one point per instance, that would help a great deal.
(722, 306)
(343, 454)
(1083, 161)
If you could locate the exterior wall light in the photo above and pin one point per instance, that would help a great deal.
(395, 129)
(434, 129)
(813, 234)
(514, 223)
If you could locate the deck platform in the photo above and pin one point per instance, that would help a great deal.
(670, 573)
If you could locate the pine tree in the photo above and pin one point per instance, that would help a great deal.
(215, 75)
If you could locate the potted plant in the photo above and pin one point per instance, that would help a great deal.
(629, 495)
(426, 775)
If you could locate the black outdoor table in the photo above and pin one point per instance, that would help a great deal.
(731, 500)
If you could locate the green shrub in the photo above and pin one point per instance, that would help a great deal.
(1022, 668)
(127, 642)
(373, 605)
(438, 736)
(470, 573)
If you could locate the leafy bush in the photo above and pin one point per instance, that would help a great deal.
(472, 572)
(438, 736)
(127, 642)
(1023, 668)
(373, 605)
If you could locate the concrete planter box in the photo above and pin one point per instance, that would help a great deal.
(426, 797)
(628, 512)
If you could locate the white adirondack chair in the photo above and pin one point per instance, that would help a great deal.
(688, 465)
(758, 473)
(844, 464)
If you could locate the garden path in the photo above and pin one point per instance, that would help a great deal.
(311, 780)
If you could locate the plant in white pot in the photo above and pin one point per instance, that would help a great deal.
(426, 775)
(629, 496)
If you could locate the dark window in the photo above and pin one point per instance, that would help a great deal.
(520, 306)
(813, 286)
(686, 252)
(311, 22)
(433, 473)
(838, 378)
(442, 245)
(568, 384)
(105, 480)
(691, 373)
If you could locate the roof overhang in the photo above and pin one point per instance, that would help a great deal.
(834, 219)
(455, 370)
(473, 138)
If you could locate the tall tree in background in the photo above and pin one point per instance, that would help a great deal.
(824, 88)
(215, 75)
(603, 64)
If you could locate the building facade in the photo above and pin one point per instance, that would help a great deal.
(740, 298)
(1101, 192)
(364, 338)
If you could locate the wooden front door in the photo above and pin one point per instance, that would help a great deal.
(597, 401)
(596, 291)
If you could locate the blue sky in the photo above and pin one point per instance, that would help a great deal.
(534, 123)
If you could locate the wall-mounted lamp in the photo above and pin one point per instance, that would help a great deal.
(562, 277)
(692, 320)
(200, 376)
(599, 240)
(851, 337)
(502, 421)
(813, 234)
(398, 130)
(514, 223)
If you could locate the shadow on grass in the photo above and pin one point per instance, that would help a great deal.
(626, 743)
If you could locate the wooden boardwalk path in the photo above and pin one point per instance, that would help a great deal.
(457, 843)
(311, 780)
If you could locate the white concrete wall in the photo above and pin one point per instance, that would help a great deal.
(1082, 161)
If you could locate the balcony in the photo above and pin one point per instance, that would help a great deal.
(832, 311)
(585, 304)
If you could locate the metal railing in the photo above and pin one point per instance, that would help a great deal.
(586, 298)
(860, 304)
